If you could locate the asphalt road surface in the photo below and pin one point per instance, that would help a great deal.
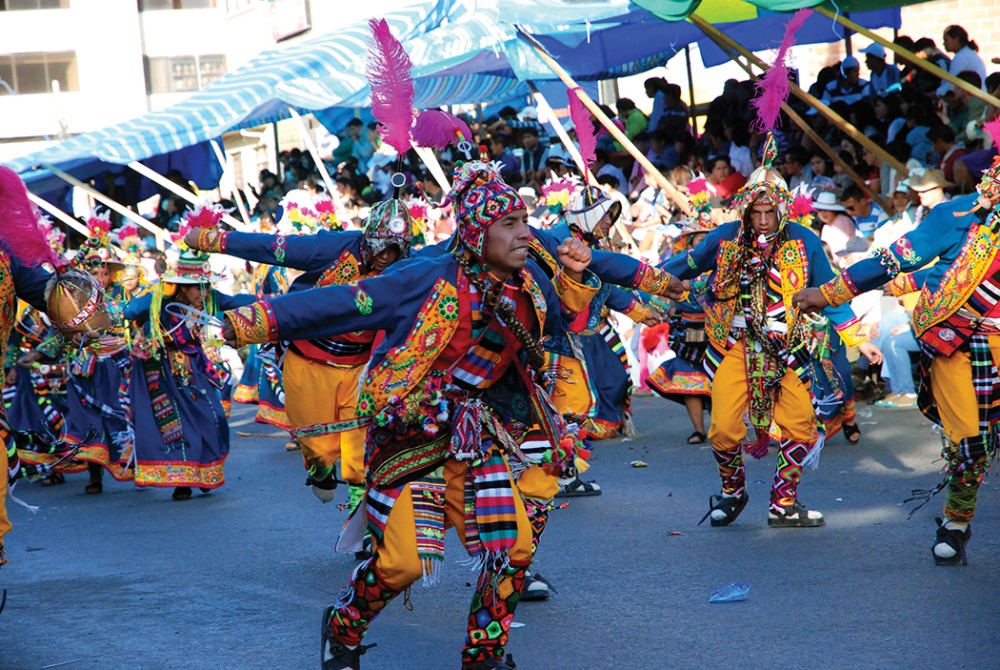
(239, 578)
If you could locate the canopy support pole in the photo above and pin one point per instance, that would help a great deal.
(679, 200)
(433, 166)
(814, 136)
(912, 58)
(694, 118)
(722, 39)
(313, 151)
(545, 108)
(66, 219)
(161, 236)
(179, 191)
(237, 198)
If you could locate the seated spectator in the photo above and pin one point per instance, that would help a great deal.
(919, 119)
(348, 136)
(532, 158)
(929, 187)
(662, 151)
(867, 215)
(500, 151)
(634, 120)
(885, 77)
(849, 87)
(895, 338)
(946, 150)
(956, 40)
(795, 169)
(675, 112)
(654, 87)
(720, 180)
(602, 166)
(901, 222)
(837, 228)
(821, 179)
(924, 82)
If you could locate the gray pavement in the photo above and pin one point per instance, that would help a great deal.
(238, 579)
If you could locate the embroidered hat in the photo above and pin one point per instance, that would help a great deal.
(192, 267)
(98, 246)
(765, 186)
(389, 223)
(588, 207)
(481, 197)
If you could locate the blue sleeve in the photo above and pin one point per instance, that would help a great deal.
(137, 309)
(29, 283)
(620, 301)
(224, 301)
(385, 302)
(702, 258)
(302, 252)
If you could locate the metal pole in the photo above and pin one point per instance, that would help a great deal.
(180, 191)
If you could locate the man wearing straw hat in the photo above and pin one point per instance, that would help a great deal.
(957, 323)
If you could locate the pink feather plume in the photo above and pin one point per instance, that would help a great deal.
(391, 80)
(19, 231)
(584, 127)
(437, 129)
(993, 128)
(773, 88)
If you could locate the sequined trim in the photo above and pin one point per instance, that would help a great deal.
(903, 283)
(852, 332)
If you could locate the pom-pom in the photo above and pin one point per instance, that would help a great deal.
(206, 215)
(653, 336)
(99, 223)
(391, 79)
(802, 207)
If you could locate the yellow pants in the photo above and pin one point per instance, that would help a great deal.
(538, 484)
(4, 521)
(951, 383)
(397, 561)
(793, 411)
(571, 393)
(319, 393)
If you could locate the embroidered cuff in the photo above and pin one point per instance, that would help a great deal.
(212, 240)
(637, 311)
(651, 280)
(889, 261)
(903, 284)
(839, 290)
(574, 295)
(254, 324)
(852, 332)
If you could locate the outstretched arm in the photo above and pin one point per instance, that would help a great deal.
(302, 252)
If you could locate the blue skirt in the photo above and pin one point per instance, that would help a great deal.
(611, 380)
(185, 440)
(94, 406)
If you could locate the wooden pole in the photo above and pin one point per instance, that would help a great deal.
(237, 198)
(313, 151)
(720, 38)
(912, 58)
(180, 191)
(70, 222)
(679, 200)
(430, 160)
(161, 235)
(694, 119)
(814, 136)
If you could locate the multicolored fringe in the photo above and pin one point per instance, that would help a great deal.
(492, 512)
(428, 516)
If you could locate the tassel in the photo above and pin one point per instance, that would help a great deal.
(466, 435)
(390, 77)
(628, 427)
(812, 458)
(759, 447)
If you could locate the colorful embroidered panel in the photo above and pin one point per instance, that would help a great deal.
(344, 270)
(254, 324)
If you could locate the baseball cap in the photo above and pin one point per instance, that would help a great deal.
(849, 63)
(874, 49)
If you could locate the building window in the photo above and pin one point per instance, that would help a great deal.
(13, 5)
(180, 74)
(152, 5)
(24, 74)
(237, 6)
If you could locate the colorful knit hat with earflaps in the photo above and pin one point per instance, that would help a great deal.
(480, 198)
(389, 224)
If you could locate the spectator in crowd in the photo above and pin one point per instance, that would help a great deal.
(500, 151)
(837, 228)
(348, 136)
(821, 179)
(602, 166)
(848, 87)
(532, 157)
(868, 216)
(720, 179)
(634, 120)
(966, 58)
(655, 90)
(675, 112)
(885, 77)
(946, 151)
(795, 169)
(929, 187)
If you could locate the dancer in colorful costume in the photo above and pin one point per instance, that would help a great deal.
(682, 377)
(23, 250)
(181, 435)
(98, 375)
(956, 322)
(757, 353)
(445, 398)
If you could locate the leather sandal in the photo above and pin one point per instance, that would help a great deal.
(852, 432)
(333, 654)
(697, 437)
(730, 506)
(93, 488)
(54, 479)
(954, 538)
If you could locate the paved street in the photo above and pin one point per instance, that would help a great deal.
(238, 579)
